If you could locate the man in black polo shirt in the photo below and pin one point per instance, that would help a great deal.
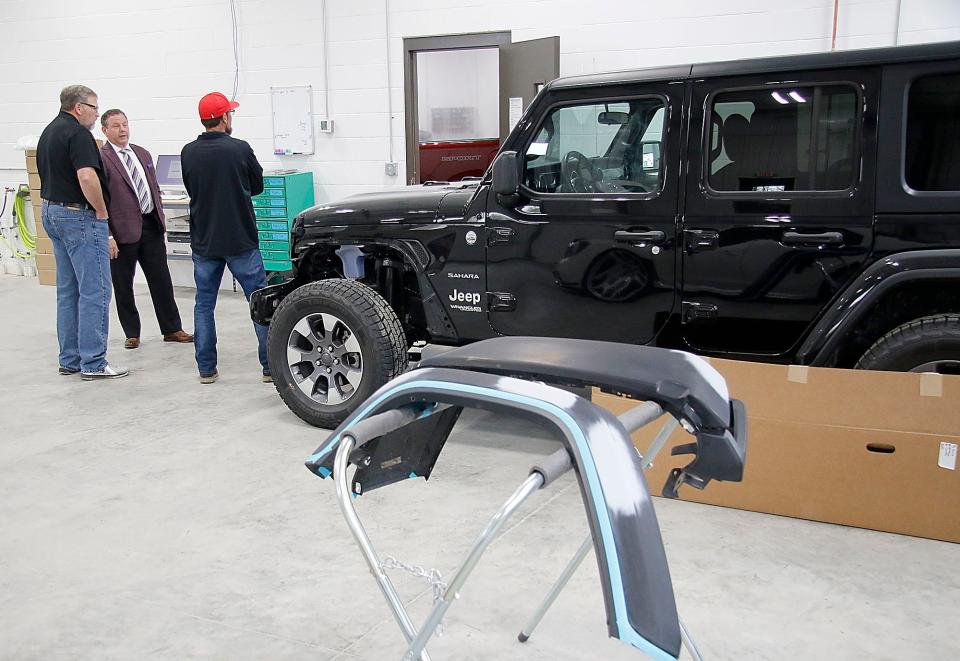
(74, 215)
(220, 174)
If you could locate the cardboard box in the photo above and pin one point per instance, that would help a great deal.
(31, 162)
(851, 447)
(47, 277)
(45, 262)
(36, 200)
(33, 180)
(44, 245)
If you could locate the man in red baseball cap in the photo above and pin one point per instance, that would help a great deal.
(215, 105)
(220, 174)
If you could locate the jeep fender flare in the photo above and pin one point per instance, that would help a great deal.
(862, 296)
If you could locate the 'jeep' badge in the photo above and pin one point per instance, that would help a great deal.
(471, 237)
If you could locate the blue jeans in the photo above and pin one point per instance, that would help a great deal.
(247, 268)
(83, 285)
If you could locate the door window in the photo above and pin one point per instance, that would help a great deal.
(785, 139)
(457, 94)
(932, 149)
(598, 148)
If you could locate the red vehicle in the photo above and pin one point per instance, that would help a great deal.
(453, 160)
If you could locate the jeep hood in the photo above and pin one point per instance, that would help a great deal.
(409, 205)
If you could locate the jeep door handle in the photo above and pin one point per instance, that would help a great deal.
(823, 238)
(625, 236)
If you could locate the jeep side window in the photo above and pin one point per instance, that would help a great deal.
(785, 139)
(932, 149)
(611, 147)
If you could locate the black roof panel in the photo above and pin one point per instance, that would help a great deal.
(828, 60)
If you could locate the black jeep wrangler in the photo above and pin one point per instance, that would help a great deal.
(794, 209)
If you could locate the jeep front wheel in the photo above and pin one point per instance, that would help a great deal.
(331, 344)
(930, 344)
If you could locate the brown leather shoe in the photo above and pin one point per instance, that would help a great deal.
(178, 336)
(131, 343)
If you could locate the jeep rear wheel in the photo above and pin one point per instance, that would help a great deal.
(930, 344)
(331, 344)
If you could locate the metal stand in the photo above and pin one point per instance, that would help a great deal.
(541, 475)
(633, 420)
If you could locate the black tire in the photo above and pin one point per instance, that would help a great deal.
(930, 344)
(321, 385)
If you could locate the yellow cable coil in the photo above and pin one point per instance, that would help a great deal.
(17, 211)
(28, 238)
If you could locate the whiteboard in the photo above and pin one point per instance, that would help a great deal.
(292, 119)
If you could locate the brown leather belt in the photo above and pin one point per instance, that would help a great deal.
(72, 205)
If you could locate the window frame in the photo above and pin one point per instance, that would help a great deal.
(550, 109)
(850, 190)
(904, 122)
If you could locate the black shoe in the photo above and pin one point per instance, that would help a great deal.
(68, 371)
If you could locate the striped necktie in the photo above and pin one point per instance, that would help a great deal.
(138, 184)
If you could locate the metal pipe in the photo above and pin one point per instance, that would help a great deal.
(639, 416)
(345, 500)
(326, 61)
(557, 588)
(658, 442)
(836, 16)
(689, 642)
(489, 533)
(386, 27)
(896, 25)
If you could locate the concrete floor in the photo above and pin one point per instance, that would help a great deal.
(155, 518)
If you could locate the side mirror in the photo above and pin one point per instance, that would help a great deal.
(506, 173)
(650, 154)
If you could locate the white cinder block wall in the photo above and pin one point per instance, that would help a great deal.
(155, 58)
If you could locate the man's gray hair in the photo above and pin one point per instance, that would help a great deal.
(71, 95)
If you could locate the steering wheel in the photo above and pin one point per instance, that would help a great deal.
(577, 174)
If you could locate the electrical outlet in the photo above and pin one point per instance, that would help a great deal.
(326, 126)
(390, 169)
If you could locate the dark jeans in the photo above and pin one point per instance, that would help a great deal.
(83, 285)
(247, 268)
(151, 253)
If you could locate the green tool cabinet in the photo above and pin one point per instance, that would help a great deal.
(283, 197)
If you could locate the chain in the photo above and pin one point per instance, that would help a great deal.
(431, 576)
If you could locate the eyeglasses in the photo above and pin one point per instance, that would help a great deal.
(90, 105)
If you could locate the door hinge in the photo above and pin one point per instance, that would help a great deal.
(500, 235)
(694, 312)
(698, 240)
(501, 301)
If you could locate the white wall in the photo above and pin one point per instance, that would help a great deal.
(156, 58)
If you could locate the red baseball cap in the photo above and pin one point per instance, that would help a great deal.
(215, 105)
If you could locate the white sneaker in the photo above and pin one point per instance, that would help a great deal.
(108, 372)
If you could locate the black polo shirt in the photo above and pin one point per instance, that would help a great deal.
(66, 146)
(220, 174)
